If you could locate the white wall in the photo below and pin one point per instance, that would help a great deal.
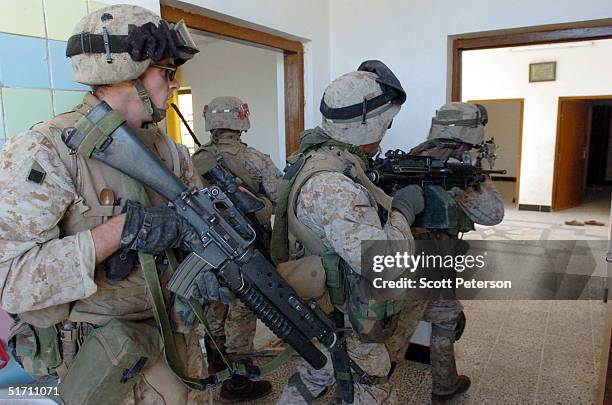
(307, 21)
(224, 68)
(412, 38)
(504, 127)
(504, 73)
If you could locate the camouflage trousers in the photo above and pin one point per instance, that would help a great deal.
(159, 385)
(236, 322)
(442, 314)
(372, 357)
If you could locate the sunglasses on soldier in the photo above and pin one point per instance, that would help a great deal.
(170, 71)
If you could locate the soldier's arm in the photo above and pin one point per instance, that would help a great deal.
(38, 268)
(270, 174)
(340, 211)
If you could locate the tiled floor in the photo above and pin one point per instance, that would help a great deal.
(520, 352)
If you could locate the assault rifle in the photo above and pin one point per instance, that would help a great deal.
(226, 243)
(399, 169)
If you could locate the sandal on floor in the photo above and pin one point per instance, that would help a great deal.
(573, 222)
(593, 222)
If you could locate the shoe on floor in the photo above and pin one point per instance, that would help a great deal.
(593, 222)
(573, 222)
(462, 385)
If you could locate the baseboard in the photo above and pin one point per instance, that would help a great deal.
(531, 207)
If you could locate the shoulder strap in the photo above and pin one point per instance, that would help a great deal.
(133, 190)
(176, 161)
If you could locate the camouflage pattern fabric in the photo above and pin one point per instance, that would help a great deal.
(228, 113)
(411, 314)
(372, 357)
(443, 314)
(342, 213)
(484, 206)
(257, 170)
(257, 167)
(236, 322)
(37, 268)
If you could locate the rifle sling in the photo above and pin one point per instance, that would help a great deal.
(133, 190)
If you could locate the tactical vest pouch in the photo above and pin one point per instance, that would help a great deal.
(373, 320)
(109, 363)
(36, 349)
(335, 278)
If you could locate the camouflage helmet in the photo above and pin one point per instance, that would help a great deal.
(228, 113)
(485, 206)
(463, 122)
(119, 42)
(358, 107)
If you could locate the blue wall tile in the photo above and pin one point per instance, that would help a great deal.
(61, 70)
(23, 61)
(2, 142)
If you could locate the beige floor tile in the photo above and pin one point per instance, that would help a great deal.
(562, 391)
(504, 396)
(520, 336)
(569, 367)
(568, 346)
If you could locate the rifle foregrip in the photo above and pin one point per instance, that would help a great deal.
(278, 324)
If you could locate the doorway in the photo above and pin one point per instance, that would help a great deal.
(584, 128)
(292, 55)
(505, 127)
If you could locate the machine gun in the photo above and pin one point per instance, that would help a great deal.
(399, 169)
(226, 240)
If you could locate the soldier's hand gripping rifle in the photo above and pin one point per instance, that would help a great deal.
(226, 239)
(436, 177)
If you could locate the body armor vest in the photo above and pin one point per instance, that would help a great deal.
(125, 299)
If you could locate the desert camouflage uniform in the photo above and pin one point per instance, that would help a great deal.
(236, 322)
(48, 275)
(340, 211)
(483, 206)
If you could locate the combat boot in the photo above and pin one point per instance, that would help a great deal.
(463, 384)
(237, 388)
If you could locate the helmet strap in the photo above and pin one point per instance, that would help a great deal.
(156, 114)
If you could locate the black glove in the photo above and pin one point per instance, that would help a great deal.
(409, 201)
(206, 287)
(153, 230)
(120, 264)
(150, 41)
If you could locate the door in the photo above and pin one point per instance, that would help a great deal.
(570, 162)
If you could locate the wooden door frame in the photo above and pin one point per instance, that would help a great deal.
(556, 162)
(581, 31)
(293, 52)
(520, 139)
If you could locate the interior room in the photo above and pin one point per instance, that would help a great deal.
(543, 72)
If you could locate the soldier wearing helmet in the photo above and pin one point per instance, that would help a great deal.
(331, 208)
(456, 128)
(233, 326)
(69, 269)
